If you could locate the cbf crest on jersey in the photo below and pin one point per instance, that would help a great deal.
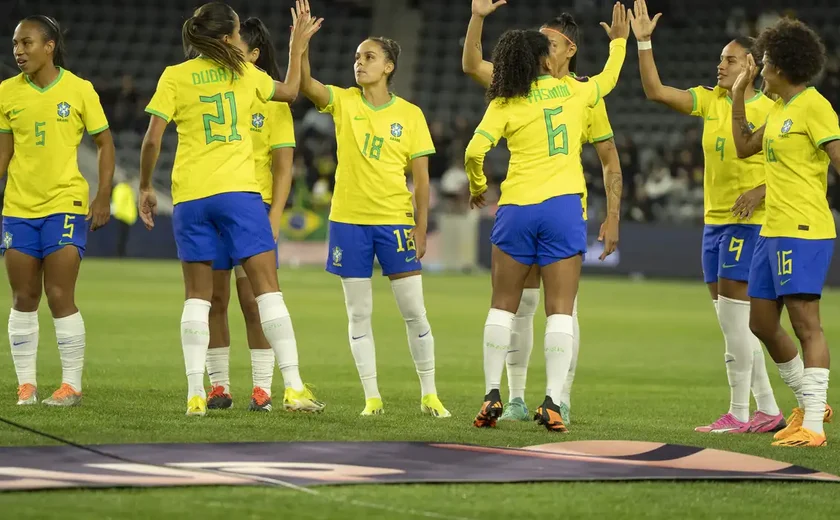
(257, 121)
(396, 131)
(337, 254)
(786, 126)
(63, 110)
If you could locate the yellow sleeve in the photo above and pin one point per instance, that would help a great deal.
(599, 124)
(608, 78)
(163, 100)
(282, 127)
(5, 126)
(93, 114)
(421, 138)
(486, 136)
(264, 83)
(334, 104)
(822, 123)
(701, 100)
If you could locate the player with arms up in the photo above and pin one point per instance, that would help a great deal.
(379, 137)
(800, 137)
(44, 112)
(733, 193)
(540, 218)
(562, 32)
(214, 186)
(273, 134)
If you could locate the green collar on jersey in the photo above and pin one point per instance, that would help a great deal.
(380, 107)
(757, 95)
(796, 96)
(51, 85)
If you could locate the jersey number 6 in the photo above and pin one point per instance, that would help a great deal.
(219, 118)
(554, 132)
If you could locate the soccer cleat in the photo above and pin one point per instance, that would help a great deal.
(27, 394)
(764, 423)
(197, 406)
(64, 396)
(726, 424)
(373, 406)
(548, 415)
(218, 399)
(302, 400)
(431, 405)
(260, 401)
(565, 413)
(515, 410)
(794, 422)
(803, 438)
(491, 410)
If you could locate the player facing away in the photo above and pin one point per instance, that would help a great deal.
(562, 32)
(272, 132)
(799, 138)
(733, 193)
(540, 216)
(214, 186)
(379, 137)
(43, 114)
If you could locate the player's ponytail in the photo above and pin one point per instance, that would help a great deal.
(52, 32)
(517, 62)
(255, 34)
(392, 52)
(566, 25)
(202, 35)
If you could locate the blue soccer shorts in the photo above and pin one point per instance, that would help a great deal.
(784, 266)
(728, 251)
(39, 237)
(353, 247)
(223, 260)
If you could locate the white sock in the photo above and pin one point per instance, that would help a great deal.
(814, 396)
(195, 338)
(277, 327)
(262, 368)
(409, 295)
(358, 299)
(734, 318)
(765, 399)
(497, 335)
(566, 394)
(792, 373)
(522, 343)
(70, 335)
(218, 367)
(559, 347)
(23, 340)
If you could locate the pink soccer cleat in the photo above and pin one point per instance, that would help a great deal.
(765, 423)
(726, 424)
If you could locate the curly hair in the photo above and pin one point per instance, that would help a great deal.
(794, 48)
(517, 62)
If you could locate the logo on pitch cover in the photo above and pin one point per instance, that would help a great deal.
(786, 126)
(63, 110)
(257, 121)
(337, 254)
(7, 240)
(396, 130)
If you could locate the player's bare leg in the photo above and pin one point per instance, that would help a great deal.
(61, 269)
(262, 357)
(522, 343)
(24, 274)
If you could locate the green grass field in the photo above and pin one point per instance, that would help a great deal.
(650, 369)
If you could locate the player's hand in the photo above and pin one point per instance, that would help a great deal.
(483, 8)
(275, 218)
(746, 79)
(620, 27)
(100, 210)
(640, 21)
(418, 236)
(477, 201)
(609, 236)
(748, 201)
(304, 26)
(148, 207)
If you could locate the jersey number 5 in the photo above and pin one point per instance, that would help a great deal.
(555, 132)
(219, 118)
(40, 135)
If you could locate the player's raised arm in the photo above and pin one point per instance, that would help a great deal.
(747, 142)
(618, 32)
(472, 60)
(303, 28)
(677, 99)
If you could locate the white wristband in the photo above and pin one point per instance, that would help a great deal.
(644, 46)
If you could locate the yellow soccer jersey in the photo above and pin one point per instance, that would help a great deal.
(726, 176)
(272, 127)
(210, 108)
(544, 133)
(375, 146)
(797, 167)
(47, 125)
(597, 129)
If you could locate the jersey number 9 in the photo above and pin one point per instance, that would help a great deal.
(219, 118)
(555, 132)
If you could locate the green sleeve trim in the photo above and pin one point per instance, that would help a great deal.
(693, 100)
(160, 115)
(98, 130)
(273, 90)
(5, 130)
(330, 102)
(479, 131)
(421, 154)
(282, 145)
(603, 138)
(598, 93)
(827, 139)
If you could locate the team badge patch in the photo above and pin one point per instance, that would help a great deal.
(257, 120)
(63, 110)
(786, 126)
(751, 127)
(337, 254)
(396, 130)
(7, 240)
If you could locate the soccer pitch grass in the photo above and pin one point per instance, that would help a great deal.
(650, 369)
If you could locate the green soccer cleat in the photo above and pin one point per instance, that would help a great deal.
(515, 410)
(565, 413)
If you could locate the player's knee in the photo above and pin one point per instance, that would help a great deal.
(358, 299)
(763, 329)
(805, 326)
(219, 304)
(59, 299)
(528, 303)
(26, 300)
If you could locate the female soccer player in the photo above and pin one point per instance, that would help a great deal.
(379, 137)
(272, 132)
(43, 113)
(540, 218)
(800, 137)
(214, 187)
(733, 192)
(562, 32)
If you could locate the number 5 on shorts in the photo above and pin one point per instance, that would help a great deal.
(68, 226)
(409, 242)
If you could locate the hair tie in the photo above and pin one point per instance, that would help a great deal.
(558, 32)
